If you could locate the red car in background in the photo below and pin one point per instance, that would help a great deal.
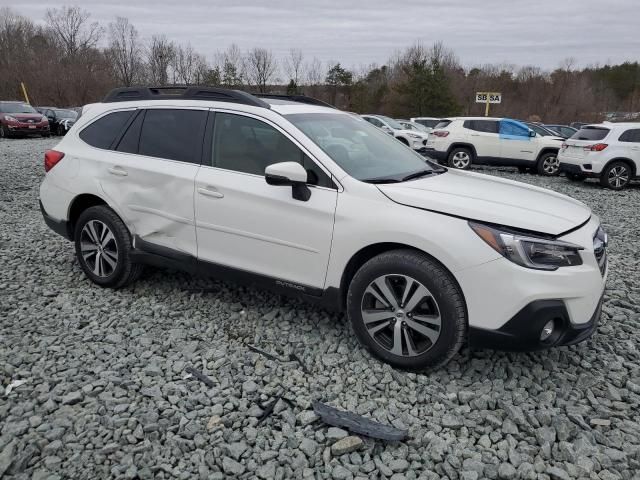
(19, 118)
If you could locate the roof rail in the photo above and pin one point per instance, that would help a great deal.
(295, 98)
(129, 94)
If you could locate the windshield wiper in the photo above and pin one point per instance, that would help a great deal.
(381, 180)
(421, 173)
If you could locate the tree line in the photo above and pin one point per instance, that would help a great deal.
(63, 62)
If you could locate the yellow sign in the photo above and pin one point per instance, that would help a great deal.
(488, 98)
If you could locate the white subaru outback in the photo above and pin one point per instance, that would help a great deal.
(308, 200)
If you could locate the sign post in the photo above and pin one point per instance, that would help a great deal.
(488, 98)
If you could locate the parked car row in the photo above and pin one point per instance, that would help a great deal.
(21, 119)
(411, 135)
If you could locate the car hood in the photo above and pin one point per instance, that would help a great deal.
(490, 199)
(26, 116)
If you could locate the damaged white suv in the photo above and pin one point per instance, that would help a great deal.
(293, 195)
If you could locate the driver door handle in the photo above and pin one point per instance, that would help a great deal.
(119, 171)
(210, 191)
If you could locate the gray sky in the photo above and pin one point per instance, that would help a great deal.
(521, 32)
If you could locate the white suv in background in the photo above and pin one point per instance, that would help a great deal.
(463, 141)
(317, 203)
(411, 138)
(607, 151)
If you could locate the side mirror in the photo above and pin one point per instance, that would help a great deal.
(289, 174)
(532, 133)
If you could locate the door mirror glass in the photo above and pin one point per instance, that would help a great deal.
(532, 133)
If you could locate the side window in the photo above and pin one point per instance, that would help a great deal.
(486, 126)
(103, 132)
(173, 134)
(631, 136)
(511, 129)
(244, 144)
(130, 140)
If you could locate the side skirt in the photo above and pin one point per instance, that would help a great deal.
(159, 256)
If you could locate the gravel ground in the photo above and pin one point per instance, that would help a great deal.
(106, 393)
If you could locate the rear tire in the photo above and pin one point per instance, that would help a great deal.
(549, 165)
(103, 248)
(616, 176)
(460, 158)
(429, 325)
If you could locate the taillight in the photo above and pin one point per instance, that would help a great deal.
(51, 159)
(441, 133)
(598, 147)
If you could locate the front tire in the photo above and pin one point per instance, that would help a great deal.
(407, 310)
(460, 158)
(616, 176)
(103, 248)
(403, 140)
(549, 165)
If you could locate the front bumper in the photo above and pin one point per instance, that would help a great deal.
(522, 332)
(27, 130)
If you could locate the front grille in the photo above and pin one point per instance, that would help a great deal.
(600, 241)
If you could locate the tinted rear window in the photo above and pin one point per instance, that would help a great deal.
(442, 124)
(590, 133)
(429, 123)
(173, 134)
(103, 132)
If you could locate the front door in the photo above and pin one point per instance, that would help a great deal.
(244, 223)
(517, 146)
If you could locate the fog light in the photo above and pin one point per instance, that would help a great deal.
(547, 330)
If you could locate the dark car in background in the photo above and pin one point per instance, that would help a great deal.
(60, 119)
(19, 119)
(564, 131)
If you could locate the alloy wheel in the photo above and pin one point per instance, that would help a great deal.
(401, 315)
(99, 248)
(618, 176)
(551, 165)
(460, 159)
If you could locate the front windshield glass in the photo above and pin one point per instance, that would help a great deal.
(16, 108)
(362, 150)
(66, 114)
(391, 122)
(418, 127)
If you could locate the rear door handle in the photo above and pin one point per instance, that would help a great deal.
(121, 172)
(210, 192)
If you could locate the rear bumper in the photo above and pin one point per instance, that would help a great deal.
(61, 227)
(522, 332)
(576, 170)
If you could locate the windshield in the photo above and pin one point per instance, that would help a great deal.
(66, 114)
(415, 126)
(16, 108)
(391, 122)
(360, 149)
(540, 130)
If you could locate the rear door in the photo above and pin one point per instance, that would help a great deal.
(150, 175)
(516, 144)
(631, 139)
(483, 135)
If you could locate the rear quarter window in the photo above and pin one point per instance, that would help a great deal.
(590, 133)
(104, 131)
(632, 136)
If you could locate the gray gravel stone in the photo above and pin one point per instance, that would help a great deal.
(334, 433)
(346, 445)
(108, 395)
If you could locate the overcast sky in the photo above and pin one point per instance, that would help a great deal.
(521, 32)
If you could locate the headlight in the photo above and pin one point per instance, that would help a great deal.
(413, 135)
(530, 252)
(9, 118)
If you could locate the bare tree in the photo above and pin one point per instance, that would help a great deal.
(314, 72)
(71, 27)
(261, 67)
(187, 65)
(293, 65)
(124, 51)
(160, 54)
(231, 66)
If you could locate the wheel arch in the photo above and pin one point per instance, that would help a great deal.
(462, 145)
(79, 205)
(630, 163)
(365, 254)
(546, 150)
